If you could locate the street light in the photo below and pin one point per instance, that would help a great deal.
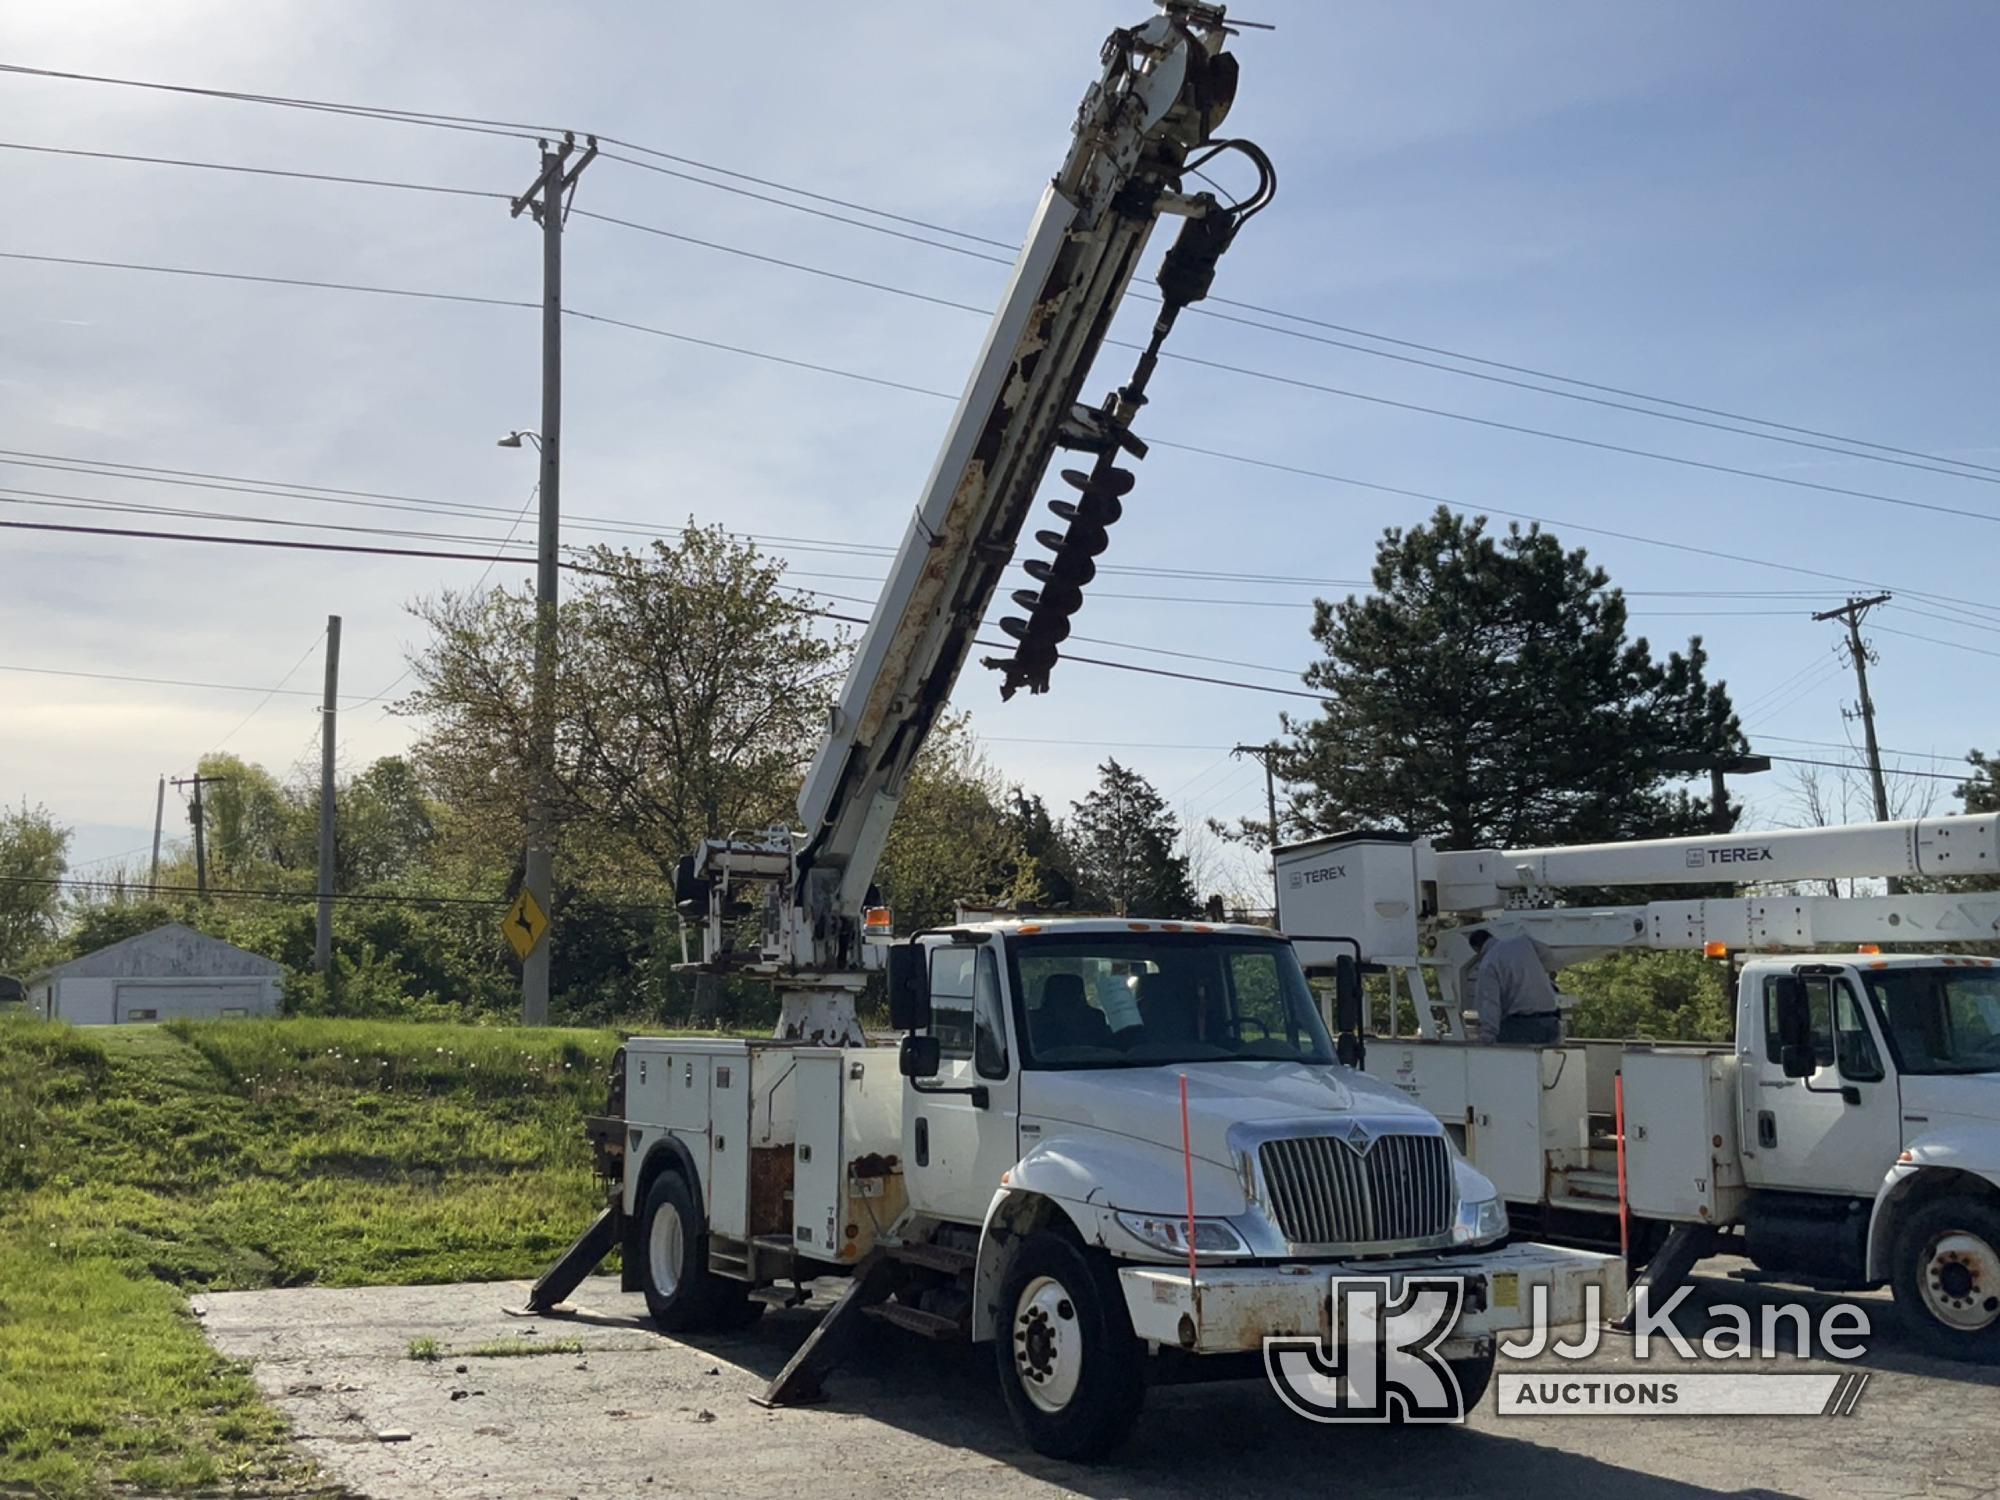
(513, 439)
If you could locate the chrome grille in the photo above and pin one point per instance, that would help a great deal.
(1322, 1191)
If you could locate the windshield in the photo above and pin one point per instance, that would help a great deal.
(1940, 1020)
(1133, 1000)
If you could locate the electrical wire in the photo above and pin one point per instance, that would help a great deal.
(263, 701)
(1262, 463)
(522, 130)
(239, 167)
(1933, 640)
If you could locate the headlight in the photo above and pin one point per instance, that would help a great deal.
(1211, 1236)
(1479, 1221)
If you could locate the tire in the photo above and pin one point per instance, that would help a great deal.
(682, 1295)
(1070, 1365)
(1946, 1277)
(1474, 1376)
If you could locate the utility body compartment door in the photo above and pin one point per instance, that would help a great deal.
(1681, 1156)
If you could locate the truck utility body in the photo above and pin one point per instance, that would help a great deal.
(1053, 1127)
(1848, 1135)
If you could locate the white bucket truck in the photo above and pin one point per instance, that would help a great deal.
(1847, 1137)
(1021, 1170)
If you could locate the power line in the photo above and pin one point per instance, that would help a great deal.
(284, 489)
(1295, 382)
(204, 274)
(1262, 463)
(1844, 765)
(261, 702)
(521, 130)
(288, 544)
(1933, 640)
(225, 166)
(472, 123)
(180, 682)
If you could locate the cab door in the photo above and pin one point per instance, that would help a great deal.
(957, 1142)
(1837, 1131)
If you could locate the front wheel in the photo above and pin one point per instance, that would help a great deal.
(1068, 1359)
(1946, 1278)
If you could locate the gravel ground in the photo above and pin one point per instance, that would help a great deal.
(636, 1413)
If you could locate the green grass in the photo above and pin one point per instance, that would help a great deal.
(426, 1350)
(140, 1163)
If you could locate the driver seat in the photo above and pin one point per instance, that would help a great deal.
(1065, 1018)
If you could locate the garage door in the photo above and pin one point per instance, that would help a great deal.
(195, 999)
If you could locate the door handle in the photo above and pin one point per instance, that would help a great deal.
(1767, 1130)
(923, 1141)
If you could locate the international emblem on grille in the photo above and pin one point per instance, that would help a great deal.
(1358, 1138)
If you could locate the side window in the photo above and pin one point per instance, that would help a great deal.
(1259, 1006)
(951, 999)
(989, 1029)
(1859, 1061)
(966, 1010)
(1820, 1001)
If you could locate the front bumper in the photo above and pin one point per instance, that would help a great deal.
(1233, 1309)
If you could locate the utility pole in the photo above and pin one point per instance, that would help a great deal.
(1851, 614)
(547, 197)
(1268, 755)
(198, 781)
(323, 933)
(159, 816)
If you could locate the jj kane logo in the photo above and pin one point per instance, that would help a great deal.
(1381, 1361)
(1393, 1346)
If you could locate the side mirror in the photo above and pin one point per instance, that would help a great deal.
(910, 990)
(920, 1057)
(1793, 1013)
(1349, 1006)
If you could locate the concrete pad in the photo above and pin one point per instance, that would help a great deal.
(638, 1413)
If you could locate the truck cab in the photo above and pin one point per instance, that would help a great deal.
(1850, 1133)
(1874, 1081)
(1120, 1151)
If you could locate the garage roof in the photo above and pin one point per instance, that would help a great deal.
(171, 952)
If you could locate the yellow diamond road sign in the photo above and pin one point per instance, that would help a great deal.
(524, 925)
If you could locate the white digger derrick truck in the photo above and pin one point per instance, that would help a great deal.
(1848, 1137)
(1119, 1151)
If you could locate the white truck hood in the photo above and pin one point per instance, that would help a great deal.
(1950, 1098)
(1144, 1104)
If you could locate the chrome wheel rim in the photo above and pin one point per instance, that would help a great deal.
(1960, 1281)
(1048, 1344)
(664, 1249)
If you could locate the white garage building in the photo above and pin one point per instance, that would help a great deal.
(170, 973)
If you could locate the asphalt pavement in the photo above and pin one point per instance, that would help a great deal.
(621, 1410)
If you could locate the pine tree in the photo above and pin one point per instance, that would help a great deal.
(1124, 842)
(1487, 695)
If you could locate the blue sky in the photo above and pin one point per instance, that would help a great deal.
(1780, 210)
